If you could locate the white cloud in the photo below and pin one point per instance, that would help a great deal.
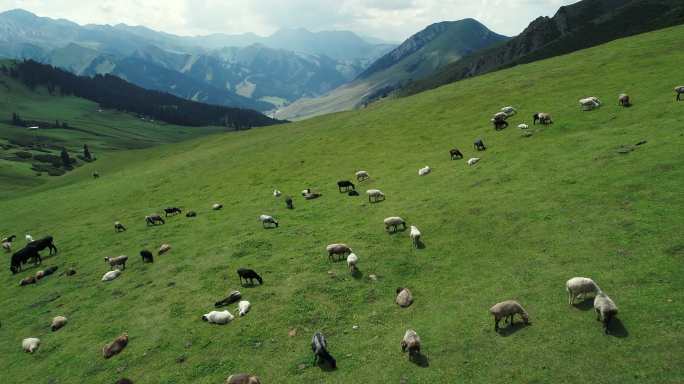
(389, 19)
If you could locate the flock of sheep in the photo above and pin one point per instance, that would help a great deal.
(576, 287)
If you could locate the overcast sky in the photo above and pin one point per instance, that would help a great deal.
(392, 20)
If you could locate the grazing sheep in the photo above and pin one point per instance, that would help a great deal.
(375, 195)
(605, 309)
(679, 90)
(415, 236)
(543, 118)
(523, 126)
(362, 176)
(288, 202)
(232, 298)
(163, 249)
(154, 219)
(116, 261)
(393, 223)
(424, 171)
(499, 121)
(624, 100)
(506, 310)
(404, 297)
(7, 243)
(27, 281)
(242, 378)
(276, 193)
(249, 274)
(58, 322)
(473, 161)
(29, 238)
(146, 256)
(455, 154)
(191, 214)
(337, 250)
(111, 275)
(411, 342)
(479, 145)
(509, 111)
(243, 307)
(589, 103)
(218, 317)
(30, 344)
(116, 346)
(172, 211)
(580, 286)
(310, 195)
(352, 260)
(345, 186)
(319, 347)
(118, 227)
(217, 206)
(267, 220)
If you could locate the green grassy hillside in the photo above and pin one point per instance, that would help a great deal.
(534, 212)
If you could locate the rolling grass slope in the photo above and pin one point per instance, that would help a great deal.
(534, 212)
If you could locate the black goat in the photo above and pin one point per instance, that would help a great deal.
(319, 348)
(479, 145)
(249, 274)
(171, 211)
(345, 186)
(233, 297)
(45, 242)
(22, 256)
(288, 202)
(455, 154)
(147, 256)
(154, 219)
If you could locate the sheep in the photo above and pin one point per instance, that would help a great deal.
(404, 297)
(455, 154)
(411, 342)
(27, 281)
(424, 171)
(352, 260)
(624, 100)
(40, 275)
(116, 346)
(242, 378)
(679, 90)
(288, 202)
(154, 219)
(116, 261)
(7, 243)
(375, 195)
(337, 250)
(146, 256)
(30, 344)
(509, 111)
(543, 118)
(362, 176)
(47, 272)
(523, 126)
(244, 307)
(276, 193)
(96, 175)
(605, 309)
(319, 347)
(266, 219)
(393, 223)
(58, 322)
(506, 310)
(118, 227)
(172, 211)
(232, 297)
(310, 195)
(191, 214)
(472, 161)
(249, 274)
(415, 236)
(499, 121)
(580, 286)
(218, 317)
(345, 186)
(589, 103)
(29, 238)
(479, 145)
(217, 206)
(111, 275)
(163, 249)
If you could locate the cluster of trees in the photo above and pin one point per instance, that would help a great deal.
(115, 93)
(19, 122)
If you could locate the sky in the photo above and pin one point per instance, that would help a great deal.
(391, 20)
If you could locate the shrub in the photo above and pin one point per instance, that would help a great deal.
(23, 155)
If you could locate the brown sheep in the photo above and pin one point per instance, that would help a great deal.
(116, 346)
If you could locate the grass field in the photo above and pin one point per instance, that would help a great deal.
(534, 212)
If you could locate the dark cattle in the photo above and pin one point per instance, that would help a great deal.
(171, 211)
(233, 297)
(147, 256)
(288, 202)
(319, 347)
(455, 154)
(154, 219)
(31, 251)
(45, 242)
(345, 186)
(479, 145)
(249, 274)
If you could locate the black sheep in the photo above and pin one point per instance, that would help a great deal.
(288, 202)
(345, 186)
(479, 145)
(249, 274)
(154, 219)
(320, 351)
(171, 211)
(455, 154)
(147, 256)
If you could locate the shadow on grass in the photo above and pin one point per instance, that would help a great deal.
(585, 305)
(420, 360)
(420, 244)
(512, 328)
(325, 366)
(357, 274)
(617, 329)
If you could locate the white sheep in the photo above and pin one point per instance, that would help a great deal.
(473, 161)
(218, 317)
(362, 175)
(580, 286)
(163, 249)
(404, 297)
(30, 344)
(411, 342)
(58, 322)
(523, 126)
(509, 111)
(375, 195)
(276, 193)
(605, 309)
(415, 236)
(679, 90)
(243, 307)
(29, 238)
(111, 275)
(7, 246)
(267, 219)
(424, 171)
(508, 309)
(216, 206)
(589, 103)
(352, 259)
(393, 223)
(116, 261)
